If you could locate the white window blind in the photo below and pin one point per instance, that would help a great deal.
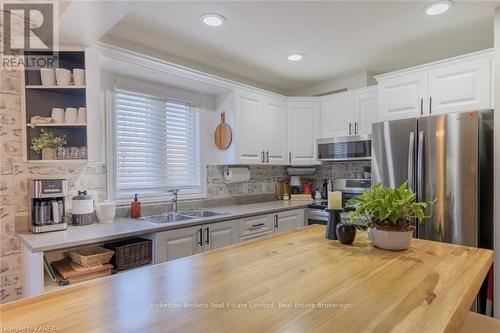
(157, 144)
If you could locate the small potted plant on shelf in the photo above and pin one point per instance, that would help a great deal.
(47, 143)
(388, 213)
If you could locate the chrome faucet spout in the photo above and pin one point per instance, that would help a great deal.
(173, 201)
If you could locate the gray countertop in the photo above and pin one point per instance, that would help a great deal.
(126, 227)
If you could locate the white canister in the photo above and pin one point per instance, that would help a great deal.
(82, 115)
(82, 209)
(71, 116)
(57, 115)
(79, 76)
(63, 77)
(47, 76)
(105, 211)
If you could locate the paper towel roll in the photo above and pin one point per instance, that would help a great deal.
(236, 175)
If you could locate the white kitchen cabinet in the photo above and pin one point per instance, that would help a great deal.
(453, 85)
(259, 129)
(249, 131)
(303, 130)
(175, 244)
(402, 96)
(288, 220)
(349, 113)
(274, 120)
(179, 243)
(460, 87)
(219, 234)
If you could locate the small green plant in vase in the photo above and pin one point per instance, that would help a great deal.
(389, 213)
(47, 143)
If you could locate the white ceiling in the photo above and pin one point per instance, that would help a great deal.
(338, 38)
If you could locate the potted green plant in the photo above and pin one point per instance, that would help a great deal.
(388, 213)
(47, 143)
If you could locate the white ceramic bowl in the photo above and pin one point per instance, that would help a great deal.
(105, 211)
(391, 240)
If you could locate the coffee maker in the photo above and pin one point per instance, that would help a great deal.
(47, 204)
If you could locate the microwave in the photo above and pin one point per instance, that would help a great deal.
(345, 148)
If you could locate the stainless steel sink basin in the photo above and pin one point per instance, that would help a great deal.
(168, 218)
(202, 213)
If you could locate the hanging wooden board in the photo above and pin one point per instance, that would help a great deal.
(223, 135)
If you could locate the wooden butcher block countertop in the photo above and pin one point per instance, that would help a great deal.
(294, 281)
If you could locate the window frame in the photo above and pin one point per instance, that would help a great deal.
(109, 83)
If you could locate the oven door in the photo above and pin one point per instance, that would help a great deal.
(345, 148)
(316, 216)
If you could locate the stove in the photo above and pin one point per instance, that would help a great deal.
(316, 214)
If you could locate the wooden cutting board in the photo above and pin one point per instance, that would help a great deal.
(68, 269)
(223, 135)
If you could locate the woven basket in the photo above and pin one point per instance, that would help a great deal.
(91, 256)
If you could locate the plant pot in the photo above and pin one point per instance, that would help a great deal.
(391, 240)
(48, 154)
(308, 188)
(346, 233)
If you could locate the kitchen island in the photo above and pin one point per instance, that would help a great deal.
(294, 281)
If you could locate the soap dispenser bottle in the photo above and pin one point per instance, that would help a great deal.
(135, 207)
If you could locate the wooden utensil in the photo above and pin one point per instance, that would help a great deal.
(223, 135)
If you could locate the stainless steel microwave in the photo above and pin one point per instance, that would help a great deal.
(345, 148)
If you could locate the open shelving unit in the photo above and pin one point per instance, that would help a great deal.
(39, 100)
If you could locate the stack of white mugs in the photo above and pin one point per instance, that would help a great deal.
(62, 77)
(69, 116)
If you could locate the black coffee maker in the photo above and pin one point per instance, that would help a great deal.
(47, 204)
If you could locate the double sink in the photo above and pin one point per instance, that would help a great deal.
(182, 216)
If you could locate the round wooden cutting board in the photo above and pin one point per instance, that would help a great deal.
(223, 135)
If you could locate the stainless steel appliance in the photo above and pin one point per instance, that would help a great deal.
(315, 212)
(445, 157)
(47, 207)
(345, 148)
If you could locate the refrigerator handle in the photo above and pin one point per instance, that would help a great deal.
(421, 106)
(411, 160)
(420, 167)
(430, 104)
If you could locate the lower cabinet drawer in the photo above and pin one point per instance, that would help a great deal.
(254, 236)
(255, 225)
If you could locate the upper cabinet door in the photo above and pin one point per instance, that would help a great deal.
(402, 96)
(336, 116)
(303, 130)
(365, 105)
(460, 87)
(274, 118)
(249, 131)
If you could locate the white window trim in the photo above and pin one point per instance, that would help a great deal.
(108, 86)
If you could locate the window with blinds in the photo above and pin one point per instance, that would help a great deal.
(157, 144)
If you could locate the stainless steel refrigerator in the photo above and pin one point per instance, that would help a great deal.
(445, 157)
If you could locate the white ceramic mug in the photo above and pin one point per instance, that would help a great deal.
(82, 115)
(105, 211)
(48, 76)
(57, 115)
(79, 76)
(63, 77)
(71, 116)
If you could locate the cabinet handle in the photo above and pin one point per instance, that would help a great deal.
(350, 128)
(258, 225)
(208, 237)
(262, 157)
(289, 157)
(430, 104)
(421, 106)
(200, 243)
(276, 222)
(267, 156)
(356, 128)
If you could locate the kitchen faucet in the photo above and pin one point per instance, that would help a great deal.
(173, 201)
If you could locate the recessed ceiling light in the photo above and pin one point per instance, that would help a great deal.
(213, 20)
(438, 7)
(296, 56)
